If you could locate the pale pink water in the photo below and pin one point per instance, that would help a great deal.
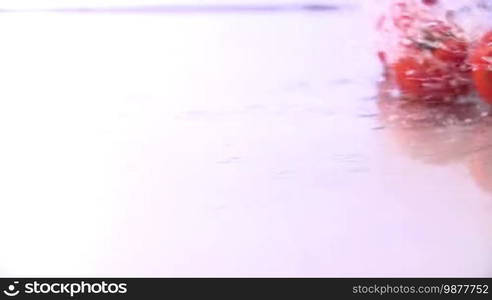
(225, 145)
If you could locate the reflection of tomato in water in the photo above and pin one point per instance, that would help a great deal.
(480, 160)
(394, 112)
(481, 60)
(422, 131)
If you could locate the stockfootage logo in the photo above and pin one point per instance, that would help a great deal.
(11, 290)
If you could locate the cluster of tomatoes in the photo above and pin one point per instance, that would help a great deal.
(430, 58)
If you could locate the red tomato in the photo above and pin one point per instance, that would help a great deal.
(429, 2)
(419, 80)
(444, 44)
(426, 78)
(452, 50)
(481, 61)
(425, 57)
(432, 61)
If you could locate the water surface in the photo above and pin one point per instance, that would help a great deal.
(231, 144)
